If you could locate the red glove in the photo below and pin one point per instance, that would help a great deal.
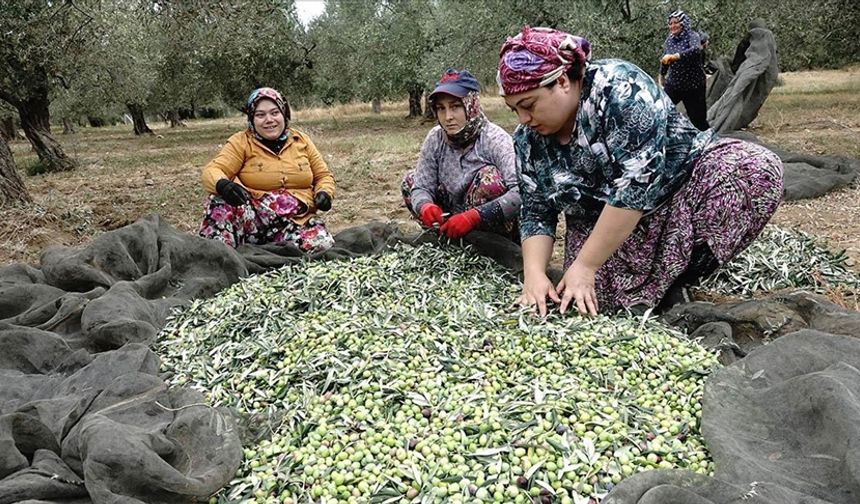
(460, 224)
(431, 214)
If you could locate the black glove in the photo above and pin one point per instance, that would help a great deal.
(323, 201)
(232, 192)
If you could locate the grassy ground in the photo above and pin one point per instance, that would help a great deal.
(819, 112)
(123, 177)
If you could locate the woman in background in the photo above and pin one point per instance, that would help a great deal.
(682, 61)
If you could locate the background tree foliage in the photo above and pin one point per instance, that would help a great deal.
(87, 61)
(469, 34)
(248, 44)
(42, 43)
(373, 50)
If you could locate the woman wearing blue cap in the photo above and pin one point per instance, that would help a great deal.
(466, 176)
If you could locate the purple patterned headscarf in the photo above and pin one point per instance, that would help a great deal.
(267, 93)
(536, 57)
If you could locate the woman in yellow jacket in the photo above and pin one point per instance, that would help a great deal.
(268, 182)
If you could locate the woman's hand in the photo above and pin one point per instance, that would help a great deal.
(322, 200)
(536, 288)
(670, 58)
(459, 225)
(232, 192)
(577, 285)
(611, 230)
(431, 214)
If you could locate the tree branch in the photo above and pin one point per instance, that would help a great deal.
(63, 81)
(75, 6)
(6, 97)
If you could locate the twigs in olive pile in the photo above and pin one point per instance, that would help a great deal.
(407, 377)
(780, 259)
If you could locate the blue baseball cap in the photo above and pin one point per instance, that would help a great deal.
(456, 83)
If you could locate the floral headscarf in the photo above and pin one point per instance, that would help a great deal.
(462, 85)
(536, 57)
(475, 121)
(268, 94)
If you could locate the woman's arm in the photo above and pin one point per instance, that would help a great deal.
(227, 164)
(537, 251)
(694, 49)
(538, 221)
(426, 176)
(613, 227)
(664, 68)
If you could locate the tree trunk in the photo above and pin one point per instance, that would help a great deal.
(12, 188)
(429, 113)
(68, 126)
(8, 131)
(415, 93)
(173, 118)
(35, 121)
(136, 111)
(96, 122)
(376, 106)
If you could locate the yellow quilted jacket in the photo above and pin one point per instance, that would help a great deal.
(298, 168)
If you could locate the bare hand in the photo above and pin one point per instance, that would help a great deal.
(670, 58)
(578, 285)
(535, 292)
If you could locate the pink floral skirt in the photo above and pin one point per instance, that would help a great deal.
(265, 220)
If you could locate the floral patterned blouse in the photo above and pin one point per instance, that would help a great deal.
(632, 150)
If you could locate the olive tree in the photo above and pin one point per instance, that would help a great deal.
(181, 32)
(348, 77)
(248, 44)
(41, 42)
(12, 189)
(382, 47)
(128, 58)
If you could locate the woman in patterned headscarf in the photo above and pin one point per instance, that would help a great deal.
(465, 178)
(268, 182)
(682, 60)
(651, 203)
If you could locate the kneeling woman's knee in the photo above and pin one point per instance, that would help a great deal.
(487, 185)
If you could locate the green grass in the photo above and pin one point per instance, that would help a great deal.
(33, 167)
